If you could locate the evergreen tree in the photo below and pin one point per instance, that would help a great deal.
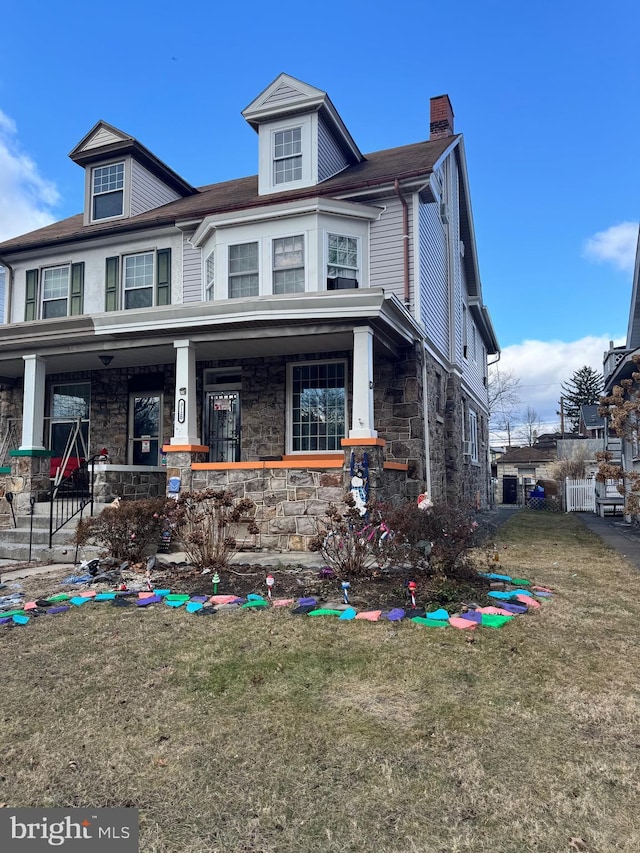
(583, 389)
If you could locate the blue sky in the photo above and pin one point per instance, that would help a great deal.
(545, 94)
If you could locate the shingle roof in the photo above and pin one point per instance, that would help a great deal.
(524, 455)
(378, 169)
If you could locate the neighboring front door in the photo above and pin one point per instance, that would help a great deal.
(222, 427)
(509, 490)
(145, 429)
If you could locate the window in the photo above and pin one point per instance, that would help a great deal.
(55, 292)
(464, 332)
(287, 155)
(473, 435)
(288, 265)
(108, 191)
(210, 277)
(130, 280)
(243, 270)
(318, 404)
(138, 281)
(342, 257)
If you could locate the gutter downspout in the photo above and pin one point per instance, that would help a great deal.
(405, 239)
(425, 403)
(8, 291)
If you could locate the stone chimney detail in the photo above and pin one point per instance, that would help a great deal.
(441, 117)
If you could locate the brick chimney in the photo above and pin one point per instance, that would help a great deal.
(441, 117)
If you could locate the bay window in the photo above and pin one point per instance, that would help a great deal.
(288, 265)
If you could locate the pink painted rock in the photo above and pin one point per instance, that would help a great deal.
(528, 600)
(463, 624)
(223, 599)
(495, 611)
(369, 615)
(282, 602)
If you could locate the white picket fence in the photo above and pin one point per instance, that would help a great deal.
(580, 495)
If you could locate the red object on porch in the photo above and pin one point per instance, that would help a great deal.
(73, 462)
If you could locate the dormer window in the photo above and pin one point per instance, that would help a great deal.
(287, 155)
(107, 191)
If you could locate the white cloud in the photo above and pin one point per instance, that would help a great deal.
(26, 198)
(542, 367)
(616, 245)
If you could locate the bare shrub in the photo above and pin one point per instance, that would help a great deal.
(207, 524)
(128, 530)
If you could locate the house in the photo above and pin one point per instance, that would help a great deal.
(619, 366)
(520, 468)
(263, 334)
(591, 424)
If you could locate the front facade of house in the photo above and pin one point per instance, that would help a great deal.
(263, 334)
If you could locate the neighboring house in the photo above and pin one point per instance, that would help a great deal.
(519, 469)
(591, 424)
(262, 333)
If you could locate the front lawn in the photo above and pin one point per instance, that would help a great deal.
(264, 731)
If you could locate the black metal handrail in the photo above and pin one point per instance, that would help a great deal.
(70, 496)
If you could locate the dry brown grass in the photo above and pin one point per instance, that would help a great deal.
(269, 732)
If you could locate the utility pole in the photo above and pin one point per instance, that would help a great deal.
(561, 413)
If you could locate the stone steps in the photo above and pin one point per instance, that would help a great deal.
(14, 541)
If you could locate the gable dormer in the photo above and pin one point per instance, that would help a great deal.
(302, 140)
(122, 177)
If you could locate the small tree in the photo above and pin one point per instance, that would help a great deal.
(530, 427)
(583, 389)
(504, 399)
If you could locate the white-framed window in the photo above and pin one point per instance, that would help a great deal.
(107, 191)
(318, 400)
(473, 435)
(210, 276)
(342, 256)
(288, 264)
(244, 278)
(287, 155)
(138, 278)
(55, 292)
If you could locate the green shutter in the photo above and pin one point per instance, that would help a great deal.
(111, 284)
(163, 277)
(77, 288)
(31, 296)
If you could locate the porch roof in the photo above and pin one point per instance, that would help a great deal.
(251, 327)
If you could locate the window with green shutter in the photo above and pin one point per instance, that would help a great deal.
(111, 284)
(163, 277)
(77, 289)
(31, 296)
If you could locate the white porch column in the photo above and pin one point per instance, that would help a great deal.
(33, 403)
(362, 401)
(185, 424)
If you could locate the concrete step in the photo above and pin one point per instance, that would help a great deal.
(14, 541)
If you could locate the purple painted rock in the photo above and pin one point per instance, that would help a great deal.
(513, 608)
(396, 614)
(472, 616)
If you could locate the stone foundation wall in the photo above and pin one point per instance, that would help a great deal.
(289, 502)
(128, 483)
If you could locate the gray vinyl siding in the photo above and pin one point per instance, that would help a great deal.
(434, 285)
(386, 264)
(147, 192)
(102, 137)
(284, 92)
(331, 159)
(191, 271)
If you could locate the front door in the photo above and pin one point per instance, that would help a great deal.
(223, 425)
(509, 490)
(145, 429)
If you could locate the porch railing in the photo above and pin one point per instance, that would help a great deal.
(71, 495)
